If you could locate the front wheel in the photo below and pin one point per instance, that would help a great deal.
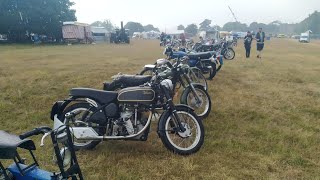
(183, 143)
(229, 54)
(202, 107)
(196, 76)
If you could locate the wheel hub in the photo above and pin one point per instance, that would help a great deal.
(195, 103)
(187, 132)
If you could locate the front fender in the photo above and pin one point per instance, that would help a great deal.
(178, 107)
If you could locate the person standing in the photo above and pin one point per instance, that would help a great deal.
(247, 43)
(260, 42)
(183, 39)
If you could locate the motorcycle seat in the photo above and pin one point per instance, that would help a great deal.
(103, 97)
(202, 55)
(132, 80)
(9, 144)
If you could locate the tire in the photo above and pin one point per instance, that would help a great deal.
(166, 131)
(196, 76)
(218, 69)
(229, 54)
(146, 72)
(203, 110)
(211, 72)
(84, 106)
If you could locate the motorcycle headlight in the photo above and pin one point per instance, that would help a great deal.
(167, 83)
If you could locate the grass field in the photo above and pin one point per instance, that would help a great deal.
(264, 122)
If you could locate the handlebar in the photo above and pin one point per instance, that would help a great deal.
(36, 131)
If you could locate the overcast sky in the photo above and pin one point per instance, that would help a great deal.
(170, 13)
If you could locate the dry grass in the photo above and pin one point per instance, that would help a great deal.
(264, 123)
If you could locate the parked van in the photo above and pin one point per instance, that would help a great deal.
(304, 37)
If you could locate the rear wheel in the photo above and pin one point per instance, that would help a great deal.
(183, 143)
(86, 110)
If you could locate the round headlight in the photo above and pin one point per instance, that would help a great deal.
(167, 83)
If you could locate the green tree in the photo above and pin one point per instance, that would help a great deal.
(255, 26)
(192, 29)
(205, 25)
(235, 26)
(106, 24)
(310, 23)
(150, 27)
(20, 17)
(180, 27)
(134, 27)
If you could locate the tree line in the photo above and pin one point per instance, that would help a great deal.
(20, 18)
(132, 26)
(276, 27)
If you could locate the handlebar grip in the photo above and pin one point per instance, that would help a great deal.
(33, 132)
(36, 131)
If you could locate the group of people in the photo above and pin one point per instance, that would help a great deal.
(260, 36)
(164, 37)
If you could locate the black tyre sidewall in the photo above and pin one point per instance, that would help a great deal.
(164, 138)
(229, 49)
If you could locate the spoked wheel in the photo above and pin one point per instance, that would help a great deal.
(183, 143)
(229, 54)
(196, 76)
(85, 112)
(202, 107)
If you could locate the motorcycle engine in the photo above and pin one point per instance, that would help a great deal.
(129, 123)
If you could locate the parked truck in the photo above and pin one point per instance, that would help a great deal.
(304, 38)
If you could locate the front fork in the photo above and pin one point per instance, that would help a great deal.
(186, 76)
(173, 108)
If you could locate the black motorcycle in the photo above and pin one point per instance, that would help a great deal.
(223, 48)
(126, 115)
(193, 95)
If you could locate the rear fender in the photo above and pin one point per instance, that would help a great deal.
(59, 106)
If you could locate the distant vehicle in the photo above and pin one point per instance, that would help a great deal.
(76, 32)
(304, 38)
(281, 36)
(295, 37)
(120, 35)
(3, 38)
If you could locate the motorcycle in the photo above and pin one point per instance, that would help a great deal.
(193, 95)
(205, 61)
(65, 154)
(223, 48)
(127, 114)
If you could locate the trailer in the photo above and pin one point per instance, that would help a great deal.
(76, 32)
